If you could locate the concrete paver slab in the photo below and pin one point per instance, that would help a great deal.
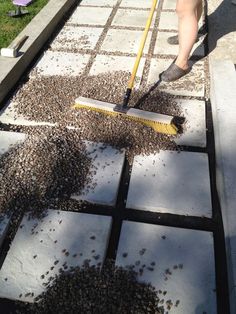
(132, 18)
(109, 3)
(118, 40)
(162, 46)
(72, 37)
(108, 163)
(191, 84)
(142, 4)
(178, 262)
(93, 16)
(169, 5)
(8, 115)
(168, 21)
(171, 182)
(195, 126)
(62, 63)
(105, 64)
(9, 139)
(39, 245)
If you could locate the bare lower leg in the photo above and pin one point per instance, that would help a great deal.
(189, 12)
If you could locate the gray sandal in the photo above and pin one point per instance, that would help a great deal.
(173, 73)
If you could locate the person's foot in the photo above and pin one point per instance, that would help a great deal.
(175, 72)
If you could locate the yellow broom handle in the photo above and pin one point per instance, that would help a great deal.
(140, 52)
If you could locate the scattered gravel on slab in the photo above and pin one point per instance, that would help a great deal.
(46, 165)
(92, 290)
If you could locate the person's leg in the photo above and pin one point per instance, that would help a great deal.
(174, 40)
(189, 11)
(188, 14)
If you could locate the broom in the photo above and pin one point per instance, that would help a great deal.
(159, 122)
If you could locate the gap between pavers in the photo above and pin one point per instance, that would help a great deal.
(171, 182)
(7, 140)
(74, 37)
(195, 125)
(39, 244)
(108, 163)
(177, 262)
(191, 84)
(62, 63)
(90, 16)
(128, 41)
(132, 18)
(162, 47)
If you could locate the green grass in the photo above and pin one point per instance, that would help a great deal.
(10, 27)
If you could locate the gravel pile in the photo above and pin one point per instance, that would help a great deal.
(50, 99)
(48, 164)
(87, 289)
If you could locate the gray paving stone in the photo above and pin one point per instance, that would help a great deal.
(9, 139)
(191, 84)
(62, 63)
(105, 64)
(8, 115)
(169, 5)
(171, 182)
(195, 126)
(178, 262)
(34, 250)
(108, 163)
(93, 16)
(168, 21)
(118, 40)
(143, 4)
(162, 47)
(132, 18)
(73, 37)
(109, 3)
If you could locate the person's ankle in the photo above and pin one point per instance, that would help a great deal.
(183, 64)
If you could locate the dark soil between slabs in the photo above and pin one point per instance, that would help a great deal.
(49, 99)
(89, 289)
(48, 164)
